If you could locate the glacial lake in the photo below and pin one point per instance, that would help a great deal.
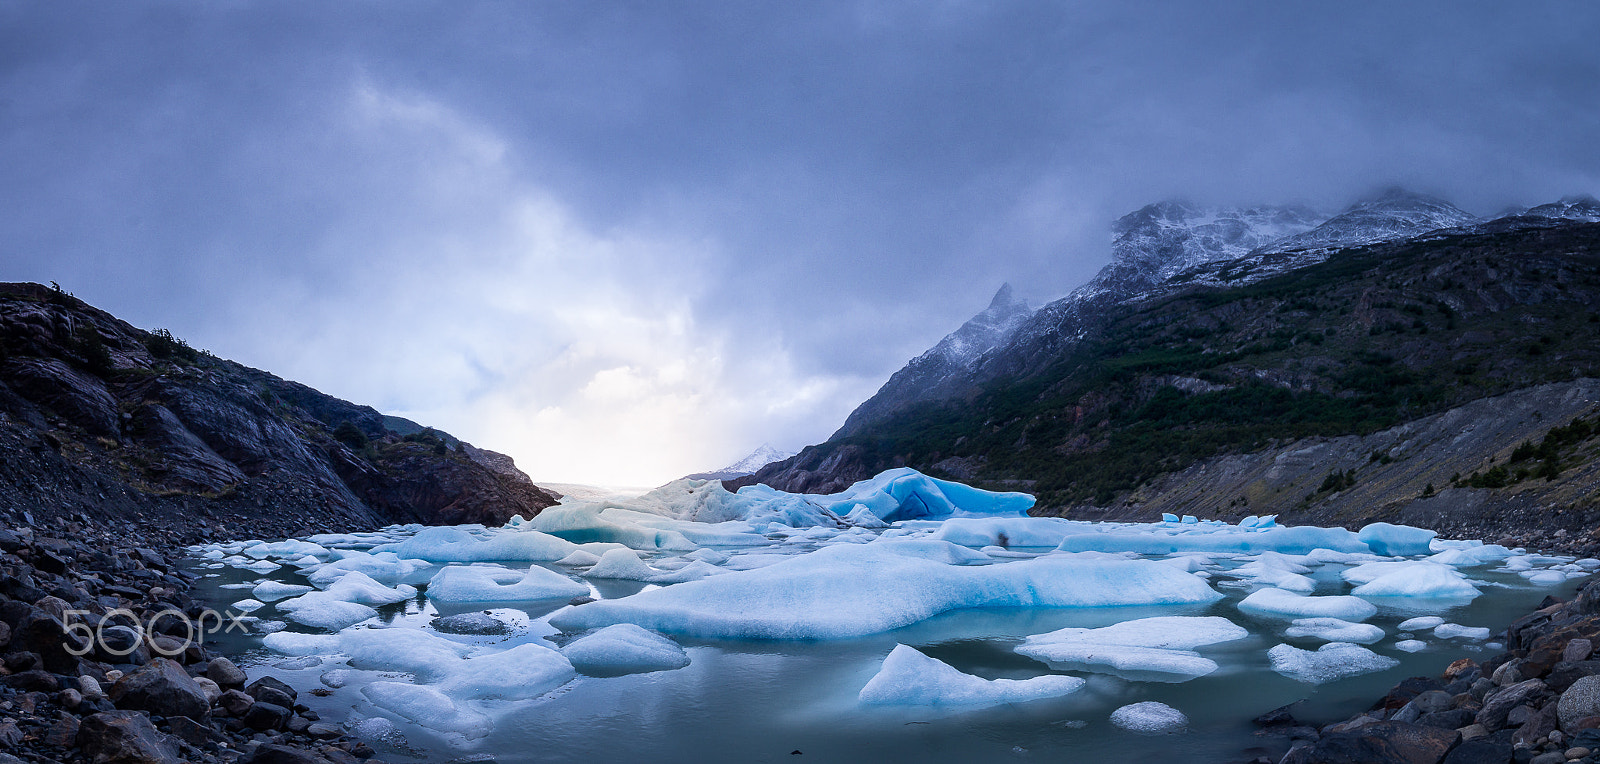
(795, 701)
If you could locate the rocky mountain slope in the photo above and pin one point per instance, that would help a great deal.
(1150, 246)
(100, 421)
(1147, 390)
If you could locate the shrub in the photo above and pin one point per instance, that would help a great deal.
(350, 435)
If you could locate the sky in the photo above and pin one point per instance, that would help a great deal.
(625, 241)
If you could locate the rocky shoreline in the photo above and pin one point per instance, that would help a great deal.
(1536, 703)
(69, 694)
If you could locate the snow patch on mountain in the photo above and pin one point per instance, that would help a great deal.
(764, 455)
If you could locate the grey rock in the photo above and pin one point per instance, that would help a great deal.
(270, 690)
(1580, 700)
(235, 702)
(1500, 703)
(265, 716)
(227, 675)
(1434, 700)
(161, 687)
(1577, 650)
(476, 623)
(1551, 757)
(114, 737)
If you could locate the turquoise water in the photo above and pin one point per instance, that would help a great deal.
(744, 701)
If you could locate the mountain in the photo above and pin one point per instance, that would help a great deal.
(929, 375)
(764, 455)
(1396, 214)
(1110, 410)
(1149, 246)
(101, 420)
(1585, 208)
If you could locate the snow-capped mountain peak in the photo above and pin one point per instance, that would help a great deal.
(764, 455)
(1395, 214)
(1585, 208)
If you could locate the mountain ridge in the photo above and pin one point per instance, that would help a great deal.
(101, 418)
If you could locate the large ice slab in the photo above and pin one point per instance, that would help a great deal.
(459, 583)
(1281, 604)
(1216, 539)
(428, 707)
(1411, 579)
(1334, 630)
(849, 590)
(909, 677)
(1162, 645)
(1396, 540)
(446, 544)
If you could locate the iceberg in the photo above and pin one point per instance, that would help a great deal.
(1006, 532)
(1335, 660)
(1396, 540)
(447, 544)
(1334, 630)
(621, 563)
(1416, 579)
(1216, 539)
(474, 584)
(1162, 645)
(1150, 717)
(624, 649)
(1453, 630)
(850, 590)
(428, 707)
(1280, 603)
(908, 677)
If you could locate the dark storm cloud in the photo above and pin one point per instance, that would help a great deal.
(815, 192)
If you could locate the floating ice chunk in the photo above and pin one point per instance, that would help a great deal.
(1335, 660)
(1411, 645)
(428, 707)
(1453, 630)
(1249, 521)
(1472, 555)
(336, 678)
(910, 678)
(624, 649)
(1417, 579)
(1329, 555)
(1168, 517)
(1280, 603)
(472, 584)
(1006, 531)
(1162, 644)
(621, 563)
(579, 558)
(428, 656)
(261, 566)
(849, 590)
(1544, 577)
(1335, 630)
(1420, 623)
(1150, 717)
(1189, 520)
(1273, 576)
(1396, 540)
(356, 586)
(284, 549)
(248, 605)
(296, 643)
(270, 590)
(525, 671)
(450, 544)
(385, 567)
(1186, 563)
(325, 613)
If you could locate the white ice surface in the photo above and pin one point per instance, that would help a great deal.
(625, 647)
(908, 677)
(473, 584)
(1280, 603)
(1334, 630)
(1150, 717)
(849, 590)
(1332, 661)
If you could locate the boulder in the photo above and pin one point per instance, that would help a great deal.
(161, 687)
(264, 716)
(44, 634)
(235, 702)
(225, 674)
(1580, 700)
(1387, 742)
(270, 690)
(125, 737)
(1498, 704)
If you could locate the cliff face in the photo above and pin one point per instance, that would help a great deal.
(100, 420)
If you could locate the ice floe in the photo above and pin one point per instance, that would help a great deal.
(1150, 717)
(1159, 645)
(1335, 660)
(908, 677)
(624, 649)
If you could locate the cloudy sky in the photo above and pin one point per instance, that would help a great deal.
(626, 241)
